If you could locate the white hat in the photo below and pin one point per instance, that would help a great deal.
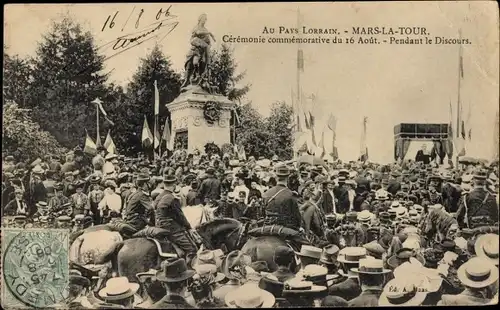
(118, 288)
(486, 246)
(404, 291)
(478, 272)
(249, 295)
(371, 266)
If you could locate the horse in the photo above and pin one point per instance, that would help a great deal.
(438, 225)
(262, 249)
(131, 256)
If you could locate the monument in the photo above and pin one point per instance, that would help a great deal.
(199, 112)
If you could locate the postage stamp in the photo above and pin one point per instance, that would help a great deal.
(34, 267)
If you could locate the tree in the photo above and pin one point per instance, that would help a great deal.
(23, 138)
(16, 78)
(140, 94)
(224, 76)
(67, 76)
(279, 123)
(252, 132)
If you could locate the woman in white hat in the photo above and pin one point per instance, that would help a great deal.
(479, 276)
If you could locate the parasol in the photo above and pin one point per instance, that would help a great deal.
(312, 160)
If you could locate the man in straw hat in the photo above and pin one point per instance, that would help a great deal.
(372, 276)
(407, 291)
(479, 276)
(349, 288)
(119, 291)
(486, 247)
(282, 207)
(174, 275)
(301, 293)
(249, 296)
(309, 255)
(479, 207)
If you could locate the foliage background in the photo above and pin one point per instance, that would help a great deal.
(47, 98)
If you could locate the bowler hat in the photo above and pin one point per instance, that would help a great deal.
(75, 277)
(143, 176)
(174, 271)
(271, 285)
(403, 255)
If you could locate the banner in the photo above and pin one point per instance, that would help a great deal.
(109, 145)
(90, 147)
(147, 136)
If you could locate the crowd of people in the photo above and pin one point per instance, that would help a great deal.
(408, 233)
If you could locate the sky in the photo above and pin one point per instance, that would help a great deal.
(389, 84)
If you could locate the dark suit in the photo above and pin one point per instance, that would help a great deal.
(367, 298)
(172, 302)
(13, 206)
(326, 202)
(209, 189)
(478, 208)
(342, 194)
(138, 209)
(192, 198)
(283, 209)
(421, 157)
(169, 216)
(348, 289)
(451, 197)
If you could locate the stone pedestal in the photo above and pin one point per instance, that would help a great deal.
(187, 115)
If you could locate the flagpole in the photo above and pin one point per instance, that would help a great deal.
(460, 64)
(97, 110)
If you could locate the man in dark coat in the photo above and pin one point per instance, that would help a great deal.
(281, 204)
(174, 276)
(423, 155)
(371, 275)
(138, 209)
(169, 216)
(210, 187)
(394, 185)
(283, 258)
(479, 207)
(341, 192)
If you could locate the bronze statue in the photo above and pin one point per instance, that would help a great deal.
(198, 58)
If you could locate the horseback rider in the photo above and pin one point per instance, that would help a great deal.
(137, 209)
(170, 218)
(281, 203)
(478, 207)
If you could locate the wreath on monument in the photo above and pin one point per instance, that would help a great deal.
(212, 111)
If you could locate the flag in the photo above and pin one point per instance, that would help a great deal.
(147, 136)
(90, 147)
(463, 130)
(109, 145)
(157, 99)
(98, 102)
(322, 144)
(166, 135)
(306, 119)
(157, 138)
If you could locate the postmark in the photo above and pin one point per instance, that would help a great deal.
(35, 266)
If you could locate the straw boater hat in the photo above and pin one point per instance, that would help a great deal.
(76, 278)
(118, 289)
(298, 287)
(111, 156)
(405, 291)
(371, 266)
(174, 271)
(351, 255)
(477, 272)
(486, 246)
(365, 216)
(249, 295)
(38, 170)
(315, 273)
(142, 276)
(309, 251)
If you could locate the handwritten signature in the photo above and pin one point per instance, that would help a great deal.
(165, 23)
